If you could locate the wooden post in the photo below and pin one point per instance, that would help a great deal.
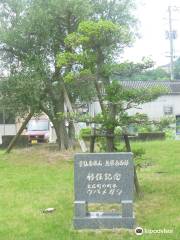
(92, 140)
(15, 138)
(127, 143)
(92, 143)
(136, 182)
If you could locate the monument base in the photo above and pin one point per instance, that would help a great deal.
(100, 220)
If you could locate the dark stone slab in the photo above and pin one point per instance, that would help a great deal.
(103, 178)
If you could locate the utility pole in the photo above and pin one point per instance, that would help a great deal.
(171, 44)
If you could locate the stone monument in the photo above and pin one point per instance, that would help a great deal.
(103, 178)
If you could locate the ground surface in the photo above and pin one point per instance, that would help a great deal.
(34, 179)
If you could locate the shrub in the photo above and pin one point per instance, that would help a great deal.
(85, 133)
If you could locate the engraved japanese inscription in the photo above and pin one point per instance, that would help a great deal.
(104, 178)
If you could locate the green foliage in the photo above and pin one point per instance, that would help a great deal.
(32, 33)
(167, 125)
(101, 144)
(153, 74)
(131, 70)
(20, 94)
(170, 134)
(85, 133)
(73, 45)
(94, 42)
(115, 93)
(145, 128)
(69, 77)
(163, 125)
(139, 157)
(120, 12)
(94, 46)
(101, 34)
(142, 71)
(158, 74)
(29, 42)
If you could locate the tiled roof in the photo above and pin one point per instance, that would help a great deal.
(173, 87)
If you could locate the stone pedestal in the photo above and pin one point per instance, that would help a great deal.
(101, 220)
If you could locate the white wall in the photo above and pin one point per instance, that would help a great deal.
(155, 109)
(94, 108)
(8, 129)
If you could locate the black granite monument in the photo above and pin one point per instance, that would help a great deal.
(103, 178)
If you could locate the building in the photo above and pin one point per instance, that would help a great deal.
(165, 105)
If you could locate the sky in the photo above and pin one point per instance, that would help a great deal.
(153, 17)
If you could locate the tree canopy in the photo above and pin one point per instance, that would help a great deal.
(93, 49)
(32, 33)
(49, 46)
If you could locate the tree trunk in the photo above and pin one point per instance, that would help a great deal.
(127, 143)
(59, 123)
(61, 133)
(15, 138)
(110, 140)
(110, 131)
(71, 134)
(61, 128)
(57, 130)
(92, 140)
(64, 135)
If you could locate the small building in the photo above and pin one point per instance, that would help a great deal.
(165, 105)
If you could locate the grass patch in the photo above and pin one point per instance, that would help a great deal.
(36, 178)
